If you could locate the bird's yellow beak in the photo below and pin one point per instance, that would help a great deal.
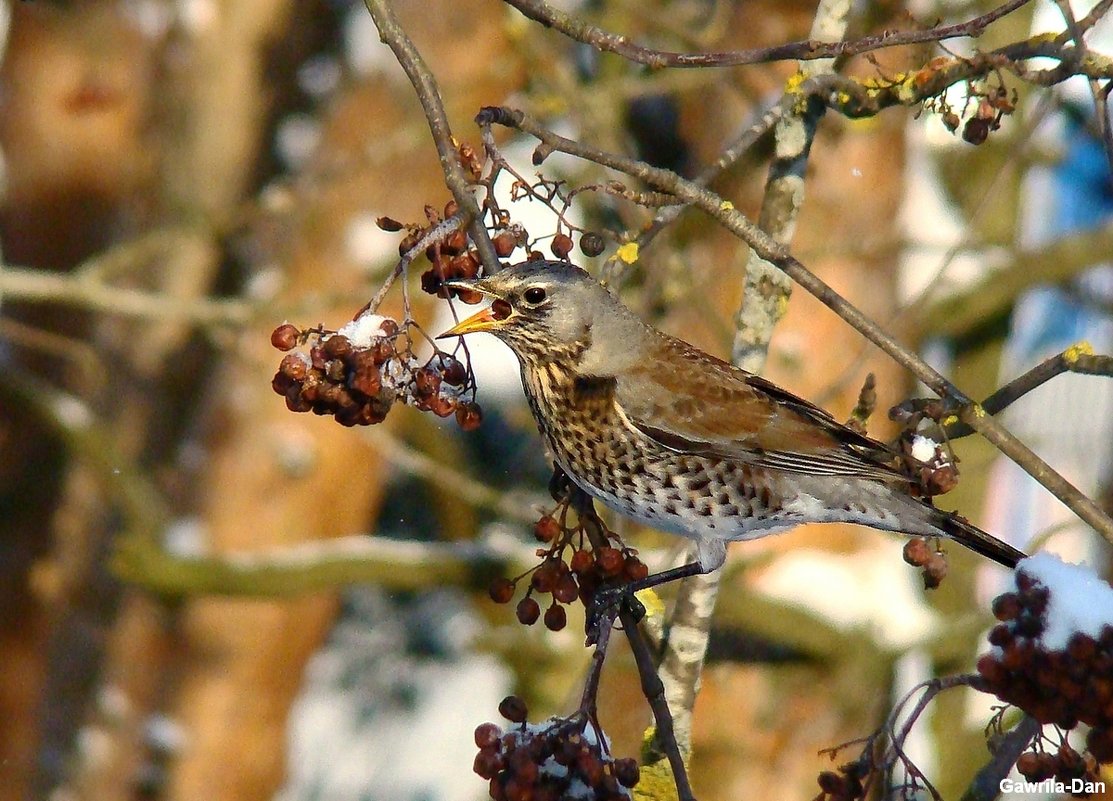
(483, 320)
(480, 321)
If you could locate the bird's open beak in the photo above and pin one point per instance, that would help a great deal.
(482, 320)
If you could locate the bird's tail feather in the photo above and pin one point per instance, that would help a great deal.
(981, 542)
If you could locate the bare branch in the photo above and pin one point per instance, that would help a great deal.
(575, 28)
(425, 86)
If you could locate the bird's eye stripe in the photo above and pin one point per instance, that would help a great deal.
(534, 294)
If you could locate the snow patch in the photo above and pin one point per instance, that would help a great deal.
(1079, 600)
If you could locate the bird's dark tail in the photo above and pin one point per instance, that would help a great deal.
(981, 542)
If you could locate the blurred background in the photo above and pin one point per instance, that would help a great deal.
(181, 176)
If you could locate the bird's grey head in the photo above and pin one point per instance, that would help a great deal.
(542, 309)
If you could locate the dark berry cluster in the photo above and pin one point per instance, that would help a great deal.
(845, 784)
(452, 257)
(931, 561)
(580, 576)
(357, 374)
(1064, 765)
(556, 759)
(1063, 685)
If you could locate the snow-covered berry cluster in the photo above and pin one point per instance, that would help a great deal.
(358, 373)
(555, 760)
(1052, 652)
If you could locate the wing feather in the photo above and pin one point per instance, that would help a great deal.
(729, 413)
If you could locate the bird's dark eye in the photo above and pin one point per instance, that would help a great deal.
(534, 295)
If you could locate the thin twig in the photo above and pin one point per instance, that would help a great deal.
(1072, 360)
(770, 250)
(575, 28)
(425, 86)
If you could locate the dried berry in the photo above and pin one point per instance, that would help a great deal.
(609, 560)
(592, 244)
(389, 224)
(487, 735)
(546, 529)
(501, 590)
(561, 246)
(513, 709)
(285, 337)
(566, 590)
(453, 371)
(505, 243)
(555, 618)
(337, 346)
(917, 552)
(469, 416)
(528, 611)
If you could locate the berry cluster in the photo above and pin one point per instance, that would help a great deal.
(1064, 685)
(556, 759)
(586, 570)
(846, 784)
(357, 373)
(1065, 765)
(451, 257)
(931, 561)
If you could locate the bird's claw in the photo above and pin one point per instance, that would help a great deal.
(606, 604)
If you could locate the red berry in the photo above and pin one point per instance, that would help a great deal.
(293, 366)
(505, 243)
(916, 552)
(426, 382)
(546, 529)
(555, 618)
(501, 590)
(561, 246)
(635, 569)
(453, 371)
(487, 762)
(545, 577)
(581, 561)
(566, 590)
(487, 735)
(469, 416)
(285, 337)
(528, 611)
(609, 560)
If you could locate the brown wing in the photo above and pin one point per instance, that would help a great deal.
(725, 412)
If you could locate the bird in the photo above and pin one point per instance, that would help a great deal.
(681, 441)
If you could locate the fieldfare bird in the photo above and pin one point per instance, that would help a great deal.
(684, 442)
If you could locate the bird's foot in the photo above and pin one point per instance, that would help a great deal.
(608, 603)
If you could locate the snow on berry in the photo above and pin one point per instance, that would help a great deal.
(1079, 601)
(365, 329)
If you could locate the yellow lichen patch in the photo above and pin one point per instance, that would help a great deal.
(628, 252)
(794, 82)
(651, 601)
(1077, 350)
(726, 205)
